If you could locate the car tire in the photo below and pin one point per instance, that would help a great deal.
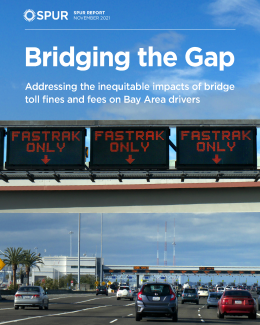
(138, 317)
(197, 302)
(175, 317)
(47, 306)
(182, 302)
(16, 307)
(207, 307)
(219, 314)
(117, 298)
(96, 294)
(22, 307)
(131, 299)
(42, 306)
(252, 316)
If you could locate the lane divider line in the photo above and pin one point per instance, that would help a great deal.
(50, 315)
(130, 315)
(79, 302)
(113, 321)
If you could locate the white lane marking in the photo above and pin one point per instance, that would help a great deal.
(71, 296)
(50, 315)
(130, 304)
(203, 321)
(258, 314)
(79, 302)
(113, 321)
(130, 315)
(199, 315)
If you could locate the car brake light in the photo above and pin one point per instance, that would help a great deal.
(130, 291)
(36, 296)
(183, 294)
(173, 296)
(139, 295)
(18, 295)
(226, 301)
(249, 302)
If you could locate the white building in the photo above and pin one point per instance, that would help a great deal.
(55, 267)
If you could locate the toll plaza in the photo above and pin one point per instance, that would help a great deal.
(153, 272)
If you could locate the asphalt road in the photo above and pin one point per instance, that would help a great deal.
(94, 310)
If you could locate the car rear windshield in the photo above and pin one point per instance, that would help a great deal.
(237, 293)
(203, 289)
(189, 290)
(124, 288)
(215, 295)
(29, 289)
(102, 288)
(156, 290)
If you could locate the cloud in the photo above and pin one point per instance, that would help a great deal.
(178, 81)
(236, 12)
(201, 239)
(162, 42)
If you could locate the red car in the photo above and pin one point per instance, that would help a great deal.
(238, 303)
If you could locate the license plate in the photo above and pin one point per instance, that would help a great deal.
(27, 297)
(238, 302)
(189, 295)
(156, 298)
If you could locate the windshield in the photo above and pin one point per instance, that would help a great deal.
(30, 289)
(215, 295)
(124, 288)
(189, 291)
(156, 290)
(238, 293)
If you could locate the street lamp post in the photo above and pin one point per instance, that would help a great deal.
(101, 269)
(70, 233)
(36, 248)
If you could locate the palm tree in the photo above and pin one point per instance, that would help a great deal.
(13, 257)
(30, 259)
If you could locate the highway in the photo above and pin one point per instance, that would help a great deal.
(94, 310)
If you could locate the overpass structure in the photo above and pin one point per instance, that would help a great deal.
(124, 191)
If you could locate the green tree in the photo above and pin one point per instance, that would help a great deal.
(65, 281)
(89, 279)
(30, 259)
(13, 257)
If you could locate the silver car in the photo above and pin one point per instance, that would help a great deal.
(31, 296)
(213, 299)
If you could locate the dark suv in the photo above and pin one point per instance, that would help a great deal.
(156, 300)
(190, 295)
(101, 290)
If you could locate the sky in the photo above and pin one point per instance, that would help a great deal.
(166, 26)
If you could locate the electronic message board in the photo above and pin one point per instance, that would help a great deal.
(216, 148)
(2, 135)
(129, 148)
(45, 148)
